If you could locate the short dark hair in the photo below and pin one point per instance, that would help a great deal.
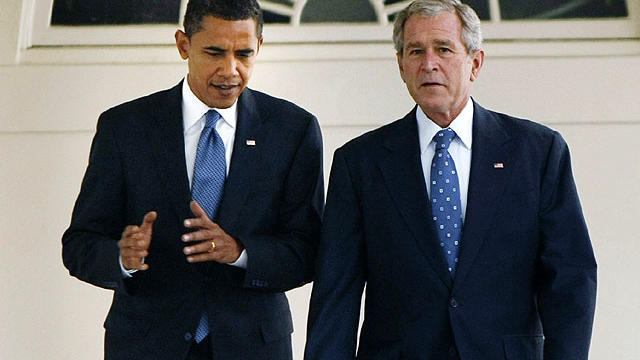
(224, 9)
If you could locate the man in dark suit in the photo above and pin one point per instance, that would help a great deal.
(228, 220)
(464, 224)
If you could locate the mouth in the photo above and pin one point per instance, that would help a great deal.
(431, 84)
(224, 87)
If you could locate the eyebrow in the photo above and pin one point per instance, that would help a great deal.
(437, 42)
(444, 42)
(214, 48)
(414, 44)
(247, 51)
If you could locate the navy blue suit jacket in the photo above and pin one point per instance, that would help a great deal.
(525, 285)
(272, 204)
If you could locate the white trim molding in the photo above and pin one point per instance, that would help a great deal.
(42, 43)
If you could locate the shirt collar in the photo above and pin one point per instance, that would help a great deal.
(193, 109)
(462, 125)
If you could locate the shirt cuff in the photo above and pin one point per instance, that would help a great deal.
(127, 273)
(242, 260)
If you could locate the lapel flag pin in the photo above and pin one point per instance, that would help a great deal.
(251, 142)
(498, 165)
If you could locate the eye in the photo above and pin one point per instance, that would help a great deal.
(444, 49)
(244, 54)
(415, 51)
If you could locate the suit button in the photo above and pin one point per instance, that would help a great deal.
(453, 353)
(188, 337)
(453, 303)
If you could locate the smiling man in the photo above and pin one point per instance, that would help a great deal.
(463, 223)
(201, 204)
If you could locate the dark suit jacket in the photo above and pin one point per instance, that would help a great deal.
(526, 266)
(272, 203)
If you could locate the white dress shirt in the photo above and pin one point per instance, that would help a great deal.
(193, 121)
(460, 148)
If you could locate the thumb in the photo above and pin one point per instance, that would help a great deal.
(147, 222)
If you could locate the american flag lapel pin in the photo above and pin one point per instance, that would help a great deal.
(498, 165)
(251, 142)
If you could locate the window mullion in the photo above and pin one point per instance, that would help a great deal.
(298, 6)
(494, 11)
(183, 10)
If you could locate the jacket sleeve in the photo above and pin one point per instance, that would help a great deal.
(340, 272)
(567, 285)
(89, 246)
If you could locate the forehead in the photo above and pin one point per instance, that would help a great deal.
(444, 27)
(215, 29)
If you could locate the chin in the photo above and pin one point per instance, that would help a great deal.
(220, 104)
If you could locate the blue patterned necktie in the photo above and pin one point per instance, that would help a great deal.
(208, 183)
(445, 198)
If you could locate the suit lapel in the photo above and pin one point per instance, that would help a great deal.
(244, 162)
(167, 142)
(491, 147)
(402, 172)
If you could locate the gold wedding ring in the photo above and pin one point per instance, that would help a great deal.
(213, 245)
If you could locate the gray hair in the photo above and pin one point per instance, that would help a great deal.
(471, 30)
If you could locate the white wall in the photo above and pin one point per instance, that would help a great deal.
(50, 100)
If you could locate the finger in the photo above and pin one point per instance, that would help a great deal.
(203, 234)
(142, 241)
(138, 241)
(202, 247)
(197, 210)
(222, 255)
(129, 231)
(134, 264)
(147, 222)
(131, 252)
(197, 223)
(129, 237)
(201, 257)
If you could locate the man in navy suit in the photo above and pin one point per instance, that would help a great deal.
(463, 223)
(189, 285)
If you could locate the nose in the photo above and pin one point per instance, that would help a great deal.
(228, 67)
(430, 61)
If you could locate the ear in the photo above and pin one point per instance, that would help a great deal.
(477, 59)
(400, 65)
(259, 45)
(183, 43)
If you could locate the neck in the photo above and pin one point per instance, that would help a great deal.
(445, 118)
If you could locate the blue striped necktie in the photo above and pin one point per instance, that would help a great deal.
(445, 198)
(208, 183)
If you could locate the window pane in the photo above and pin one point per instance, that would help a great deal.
(480, 6)
(316, 11)
(273, 18)
(562, 9)
(112, 12)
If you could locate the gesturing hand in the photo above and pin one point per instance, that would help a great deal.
(214, 243)
(135, 241)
